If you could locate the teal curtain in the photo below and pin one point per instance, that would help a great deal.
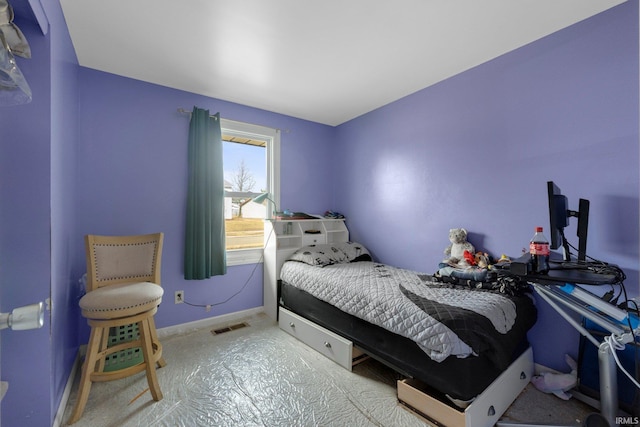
(205, 253)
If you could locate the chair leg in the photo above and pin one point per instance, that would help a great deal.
(87, 369)
(154, 337)
(150, 368)
(104, 343)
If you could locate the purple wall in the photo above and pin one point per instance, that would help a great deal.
(37, 221)
(98, 153)
(25, 237)
(476, 150)
(132, 179)
(64, 141)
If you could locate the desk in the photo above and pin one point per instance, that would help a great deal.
(583, 277)
(561, 273)
(556, 288)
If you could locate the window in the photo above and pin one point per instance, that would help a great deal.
(251, 167)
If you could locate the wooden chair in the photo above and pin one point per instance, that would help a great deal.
(123, 294)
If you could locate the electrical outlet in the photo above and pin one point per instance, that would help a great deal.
(179, 297)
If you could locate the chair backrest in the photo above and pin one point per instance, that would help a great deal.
(123, 259)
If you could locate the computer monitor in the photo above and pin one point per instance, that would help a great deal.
(559, 214)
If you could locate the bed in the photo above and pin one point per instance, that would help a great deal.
(457, 338)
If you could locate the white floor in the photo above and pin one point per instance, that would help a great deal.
(259, 376)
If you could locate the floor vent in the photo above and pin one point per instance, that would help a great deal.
(229, 328)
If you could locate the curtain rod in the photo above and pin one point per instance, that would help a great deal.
(183, 111)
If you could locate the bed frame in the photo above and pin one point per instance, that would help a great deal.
(347, 340)
(344, 339)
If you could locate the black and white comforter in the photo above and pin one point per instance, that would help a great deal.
(442, 320)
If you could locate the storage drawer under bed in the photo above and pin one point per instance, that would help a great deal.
(484, 411)
(333, 346)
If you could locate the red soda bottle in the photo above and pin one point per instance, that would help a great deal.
(539, 249)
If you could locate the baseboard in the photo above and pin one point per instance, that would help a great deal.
(210, 321)
(162, 332)
(57, 421)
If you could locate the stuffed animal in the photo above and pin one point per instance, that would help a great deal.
(482, 259)
(455, 251)
(504, 258)
(558, 384)
(469, 257)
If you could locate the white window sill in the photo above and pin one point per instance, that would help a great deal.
(244, 256)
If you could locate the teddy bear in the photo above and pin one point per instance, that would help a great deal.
(455, 251)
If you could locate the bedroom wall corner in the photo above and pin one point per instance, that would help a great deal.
(476, 150)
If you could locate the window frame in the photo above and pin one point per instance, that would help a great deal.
(272, 138)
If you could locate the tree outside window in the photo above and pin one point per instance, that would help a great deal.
(251, 161)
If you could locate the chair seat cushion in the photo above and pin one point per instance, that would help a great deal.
(116, 301)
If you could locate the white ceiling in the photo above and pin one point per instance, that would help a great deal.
(325, 61)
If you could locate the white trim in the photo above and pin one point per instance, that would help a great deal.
(244, 256)
(162, 333)
(184, 328)
(273, 172)
(272, 138)
(64, 401)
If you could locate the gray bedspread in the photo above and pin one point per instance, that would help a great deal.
(442, 320)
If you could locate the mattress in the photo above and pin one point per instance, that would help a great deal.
(449, 342)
